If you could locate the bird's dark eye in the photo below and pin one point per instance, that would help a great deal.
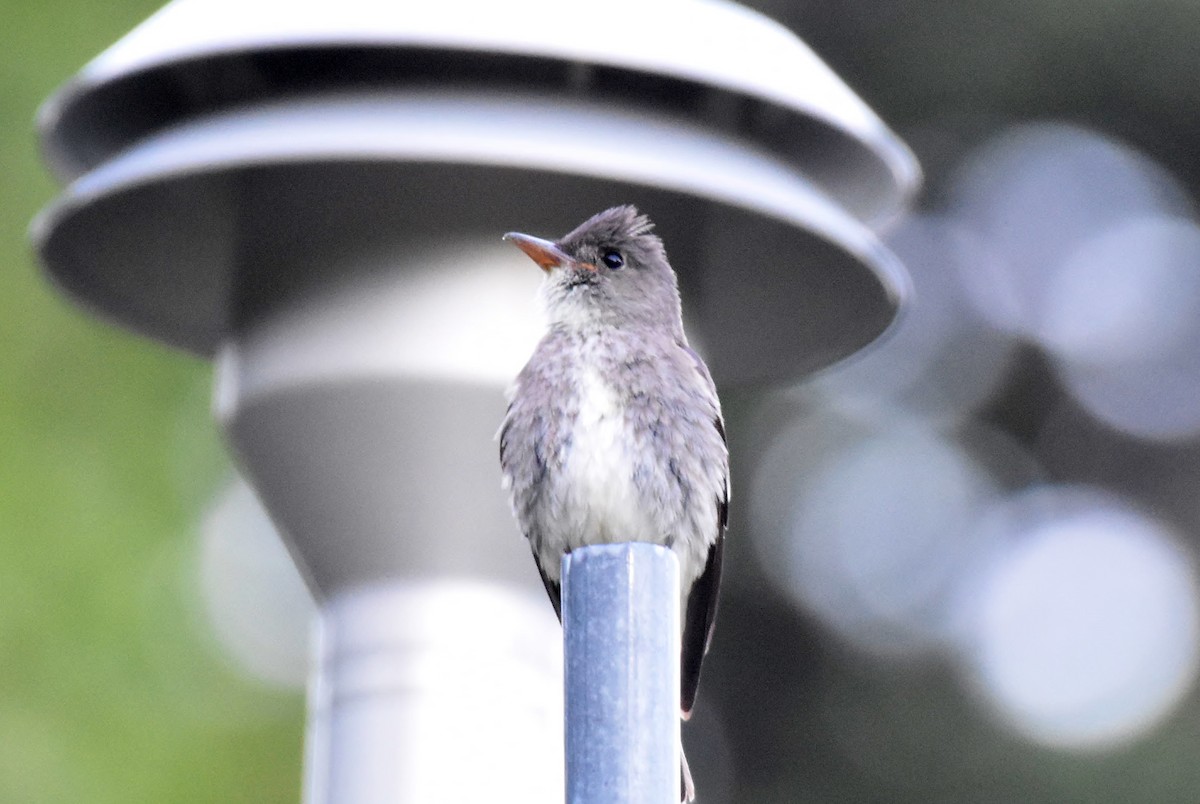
(613, 260)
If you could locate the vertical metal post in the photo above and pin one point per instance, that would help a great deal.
(621, 656)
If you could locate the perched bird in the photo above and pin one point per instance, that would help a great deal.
(614, 430)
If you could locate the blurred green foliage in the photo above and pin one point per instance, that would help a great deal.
(111, 687)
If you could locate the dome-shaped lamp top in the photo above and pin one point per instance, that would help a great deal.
(712, 62)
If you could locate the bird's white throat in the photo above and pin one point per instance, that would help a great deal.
(570, 307)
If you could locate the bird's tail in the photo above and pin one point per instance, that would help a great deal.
(687, 788)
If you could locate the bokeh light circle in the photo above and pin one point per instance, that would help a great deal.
(1130, 293)
(1086, 628)
(1121, 320)
(1033, 194)
(259, 608)
(939, 360)
(873, 529)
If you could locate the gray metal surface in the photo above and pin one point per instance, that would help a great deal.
(621, 674)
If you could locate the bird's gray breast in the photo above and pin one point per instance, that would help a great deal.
(607, 466)
(619, 440)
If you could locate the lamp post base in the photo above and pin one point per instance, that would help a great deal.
(435, 691)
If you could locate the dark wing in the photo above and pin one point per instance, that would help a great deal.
(503, 436)
(553, 589)
(701, 614)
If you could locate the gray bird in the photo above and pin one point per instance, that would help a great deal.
(614, 431)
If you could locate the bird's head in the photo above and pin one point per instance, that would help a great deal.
(611, 270)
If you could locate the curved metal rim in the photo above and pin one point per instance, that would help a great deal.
(521, 132)
(524, 131)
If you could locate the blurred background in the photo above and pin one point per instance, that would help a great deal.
(961, 565)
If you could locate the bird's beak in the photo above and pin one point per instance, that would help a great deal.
(544, 253)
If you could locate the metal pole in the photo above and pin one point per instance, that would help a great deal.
(621, 656)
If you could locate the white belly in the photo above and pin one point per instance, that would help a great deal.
(599, 470)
